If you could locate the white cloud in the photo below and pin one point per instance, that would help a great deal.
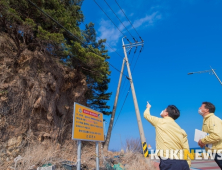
(109, 32)
(126, 24)
(120, 13)
(148, 20)
(112, 34)
(131, 14)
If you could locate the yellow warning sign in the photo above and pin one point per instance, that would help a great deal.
(87, 124)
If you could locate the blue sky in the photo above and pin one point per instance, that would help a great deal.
(180, 36)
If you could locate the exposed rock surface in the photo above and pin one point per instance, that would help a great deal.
(37, 94)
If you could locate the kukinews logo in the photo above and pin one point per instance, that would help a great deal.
(184, 154)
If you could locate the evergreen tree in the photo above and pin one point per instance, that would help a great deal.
(31, 29)
(97, 95)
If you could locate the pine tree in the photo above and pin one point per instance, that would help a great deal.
(31, 29)
(97, 95)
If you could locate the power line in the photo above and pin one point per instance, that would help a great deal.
(133, 55)
(130, 51)
(83, 63)
(122, 107)
(120, 20)
(111, 20)
(138, 58)
(55, 21)
(114, 50)
(110, 47)
(104, 42)
(128, 20)
(71, 34)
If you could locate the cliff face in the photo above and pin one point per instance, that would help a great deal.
(36, 99)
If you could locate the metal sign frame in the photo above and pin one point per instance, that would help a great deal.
(79, 143)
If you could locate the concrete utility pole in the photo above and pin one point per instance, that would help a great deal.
(212, 70)
(142, 136)
(106, 144)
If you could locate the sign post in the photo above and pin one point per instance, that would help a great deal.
(87, 126)
(97, 156)
(79, 155)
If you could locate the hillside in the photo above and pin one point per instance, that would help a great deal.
(43, 71)
(37, 95)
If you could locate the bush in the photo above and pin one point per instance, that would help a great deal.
(134, 145)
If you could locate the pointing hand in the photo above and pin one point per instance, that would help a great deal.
(148, 105)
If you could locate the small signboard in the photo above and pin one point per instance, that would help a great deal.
(87, 124)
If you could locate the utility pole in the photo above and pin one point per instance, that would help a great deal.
(106, 143)
(142, 136)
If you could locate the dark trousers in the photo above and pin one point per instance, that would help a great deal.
(172, 164)
(219, 162)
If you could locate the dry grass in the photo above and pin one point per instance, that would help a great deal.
(134, 145)
(36, 155)
(133, 158)
(136, 161)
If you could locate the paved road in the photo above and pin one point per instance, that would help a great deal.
(199, 165)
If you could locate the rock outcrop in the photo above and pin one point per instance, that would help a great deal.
(37, 93)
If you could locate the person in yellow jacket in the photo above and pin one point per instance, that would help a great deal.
(169, 136)
(213, 126)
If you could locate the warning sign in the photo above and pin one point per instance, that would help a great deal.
(87, 124)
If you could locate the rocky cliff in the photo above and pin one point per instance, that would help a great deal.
(37, 93)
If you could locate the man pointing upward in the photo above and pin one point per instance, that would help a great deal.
(169, 136)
